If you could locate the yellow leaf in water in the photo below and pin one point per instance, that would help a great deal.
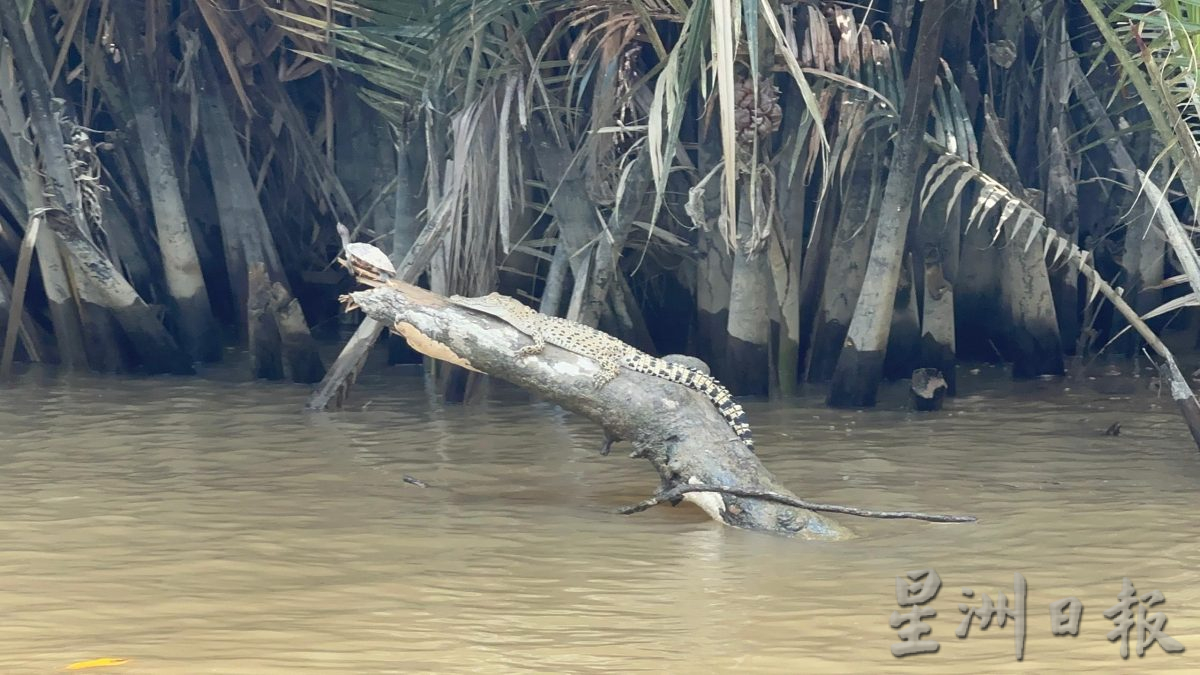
(97, 663)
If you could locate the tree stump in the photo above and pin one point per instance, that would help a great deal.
(928, 391)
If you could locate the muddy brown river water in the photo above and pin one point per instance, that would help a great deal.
(208, 526)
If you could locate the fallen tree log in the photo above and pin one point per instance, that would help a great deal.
(677, 430)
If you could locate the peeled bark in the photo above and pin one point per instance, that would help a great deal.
(301, 354)
(678, 431)
(181, 265)
(937, 318)
(249, 246)
(860, 365)
(266, 361)
(281, 346)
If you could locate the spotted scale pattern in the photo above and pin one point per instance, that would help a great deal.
(608, 352)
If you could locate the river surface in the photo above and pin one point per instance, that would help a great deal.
(206, 525)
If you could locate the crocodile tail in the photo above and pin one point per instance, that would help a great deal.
(691, 378)
(730, 409)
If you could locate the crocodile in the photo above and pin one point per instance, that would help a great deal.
(608, 352)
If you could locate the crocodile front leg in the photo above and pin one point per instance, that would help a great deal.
(539, 344)
(607, 373)
(609, 441)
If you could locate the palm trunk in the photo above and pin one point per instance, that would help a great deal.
(30, 336)
(1060, 176)
(28, 189)
(181, 265)
(239, 210)
(1033, 341)
(1062, 209)
(938, 245)
(575, 217)
(712, 273)
(1143, 246)
(125, 249)
(851, 246)
(791, 253)
(790, 327)
(106, 288)
(976, 302)
(12, 192)
(556, 281)
(58, 184)
(607, 259)
(937, 319)
(860, 365)
(1145, 253)
(366, 161)
(812, 278)
(1031, 337)
(712, 290)
(405, 227)
(904, 337)
(12, 304)
(747, 353)
(281, 348)
(1144, 243)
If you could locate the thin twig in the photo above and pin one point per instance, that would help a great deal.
(680, 490)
